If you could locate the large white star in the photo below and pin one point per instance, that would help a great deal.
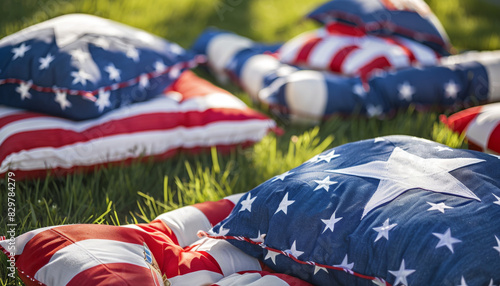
(405, 171)
(438, 207)
(401, 274)
(330, 223)
(318, 269)
(114, 73)
(327, 157)
(498, 199)
(406, 91)
(293, 250)
(284, 204)
(247, 203)
(462, 282)
(451, 89)
(282, 176)
(497, 248)
(20, 51)
(80, 77)
(383, 231)
(445, 239)
(324, 184)
(24, 89)
(62, 100)
(45, 62)
(103, 100)
(271, 255)
(344, 264)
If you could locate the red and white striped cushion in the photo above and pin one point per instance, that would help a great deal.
(260, 278)
(84, 254)
(193, 115)
(481, 126)
(350, 51)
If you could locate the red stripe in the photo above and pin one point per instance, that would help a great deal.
(18, 116)
(141, 123)
(176, 262)
(305, 51)
(340, 56)
(337, 28)
(189, 85)
(114, 274)
(494, 140)
(379, 63)
(459, 121)
(215, 211)
(39, 250)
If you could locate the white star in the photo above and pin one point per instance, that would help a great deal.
(45, 62)
(383, 231)
(498, 199)
(80, 77)
(20, 51)
(441, 148)
(143, 81)
(114, 73)
(462, 282)
(445, 239)
(79, 55)
(284, 204)
(282, 176)
(160, 66)
(24, 89)
(404, 171)
(378, 139)
(379, 282)
(401, 274)
(132, 53)
(497, 248)
(451, 89)
(272, 255)
(222, 231)
(247, 203)
(174, 72)
(406, 91)
(318, 269)
(374, 110)
(101, 42)
(324, 184)
(293, 250)
(438, 207)
(491, 283)
(330, 223)
(259, 238)
(62, 100)
(327, 157)
(345, 264)
(103, 100)
(359, 90)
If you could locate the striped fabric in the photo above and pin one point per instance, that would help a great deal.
(349, 51)
(481, 126)
(193, 115)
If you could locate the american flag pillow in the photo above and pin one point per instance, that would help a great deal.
(385, 211)
(481, 126)
(81, 66)
(193, 115)
(408, 18)
(165, 251)
(349, 51)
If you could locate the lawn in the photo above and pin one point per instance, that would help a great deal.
(141, 191)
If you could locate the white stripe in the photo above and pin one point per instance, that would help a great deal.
(235, 198)
(306, 94)
(201, 277)
(158, 105)
(254, 70)
(424, 55)
(251, 279)
(323, 53)
(481, 127)
(22, 240)
(230, 258)
(134, 145)
(185, 223)
(82, 255)
(222, 48)
(289, 51)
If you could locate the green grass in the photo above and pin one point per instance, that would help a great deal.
(141, 191)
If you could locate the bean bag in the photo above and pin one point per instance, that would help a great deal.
(394, 210)
(193, 115)
(80, 66)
